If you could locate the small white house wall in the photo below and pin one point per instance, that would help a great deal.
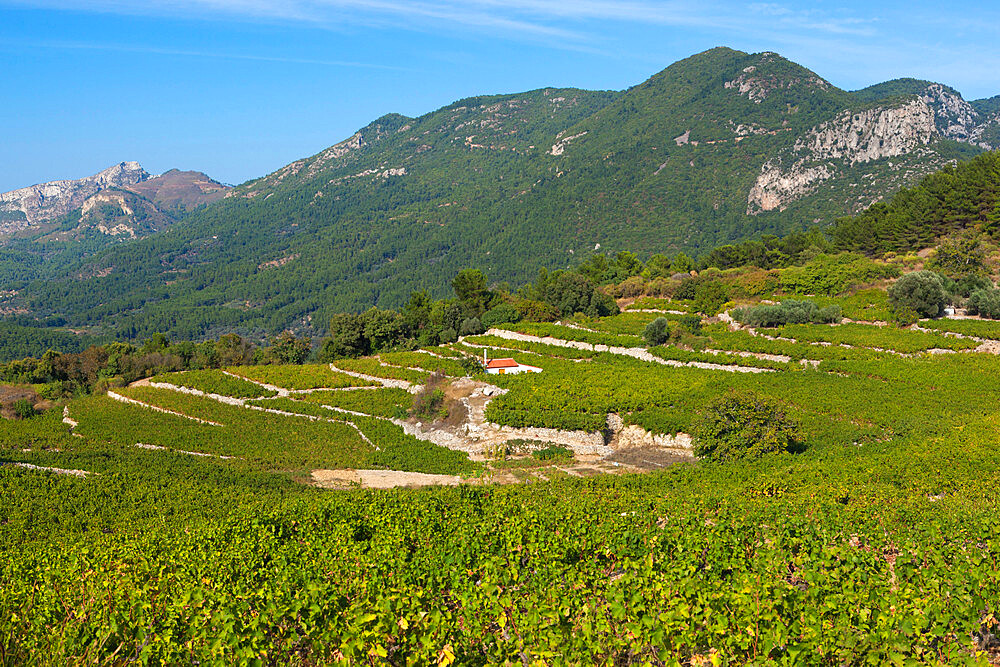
(513, 370)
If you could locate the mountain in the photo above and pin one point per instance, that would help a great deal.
(177, 190)
(28, 207)
(122, 200)
(718, 147)
(976, 122)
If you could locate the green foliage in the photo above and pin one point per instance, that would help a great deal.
(554, 454)
(470, 288)
(287, 349)
(952, 200)
(307, 376)
(657, 332)
(215, 382)
(472, 365)
(471, 326)
(429, 404)
(985, 302)
(788, 311)
(960, 256)
(709, 297)
(23, 409)
(505, 313)
(691, 324)
(833, 274)
(921, 291)
(743, 426)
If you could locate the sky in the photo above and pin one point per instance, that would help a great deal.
(239, 88)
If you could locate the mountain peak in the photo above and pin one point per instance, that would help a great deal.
(25, 207)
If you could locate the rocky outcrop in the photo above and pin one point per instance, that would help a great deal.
(47, 201)
(756, 83)
(122, 201)
(954, 117)
(559, 147)
(851, 138)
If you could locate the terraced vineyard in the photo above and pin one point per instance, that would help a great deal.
(197, 534)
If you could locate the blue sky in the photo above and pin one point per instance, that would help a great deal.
(238, 88)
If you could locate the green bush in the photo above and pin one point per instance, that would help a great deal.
(905, 317)
(691, 323)
(787, 312)
(505, 313)
(471, 326)
(23, 409)
(657, 332)
(709, 297)
(472, 365)
(986, 303)
(743, 425)
(923, 291)
(554, 454)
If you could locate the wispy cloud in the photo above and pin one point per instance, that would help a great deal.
(211, 55)
(565, 20)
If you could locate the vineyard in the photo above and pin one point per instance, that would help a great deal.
(193, 531)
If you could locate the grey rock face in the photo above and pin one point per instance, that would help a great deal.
(30, 206)
(851, 138)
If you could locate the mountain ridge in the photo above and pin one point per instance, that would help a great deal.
(718, 147)
(31, 209)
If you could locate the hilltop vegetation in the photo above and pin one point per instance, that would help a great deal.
(683, 162)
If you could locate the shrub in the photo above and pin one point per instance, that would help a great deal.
(429, 404)
(923, 291)
(472, 365)
(709, 297)
(691, 324)
(471, 326)
(961, 256)
(743, 425)
(905, 317)
(23, 409)
(986, 303)
(657, 332)
(789, 311)
(554, 453)
(505, 313)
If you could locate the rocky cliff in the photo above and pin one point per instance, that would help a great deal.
(826, 150)
(47, 201)
(123, 200)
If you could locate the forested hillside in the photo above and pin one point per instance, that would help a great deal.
(720, 147)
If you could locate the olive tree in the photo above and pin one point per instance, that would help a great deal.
(922, 291)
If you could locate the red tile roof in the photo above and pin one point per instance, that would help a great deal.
(501, 363)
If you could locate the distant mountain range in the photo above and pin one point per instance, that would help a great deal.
(122, 200)
(718, 147)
